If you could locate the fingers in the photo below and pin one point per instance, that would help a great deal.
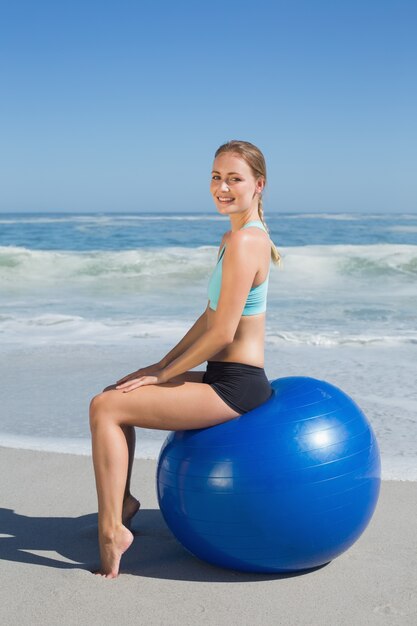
(124, 383)
(129, 385)
(143, 371)
(137, 382)
(127, 377)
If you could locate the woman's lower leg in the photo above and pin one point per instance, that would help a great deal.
(111, 462)
(129, 433)
(130, 503)
(110, 459)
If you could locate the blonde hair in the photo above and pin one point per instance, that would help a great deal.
(256, 161)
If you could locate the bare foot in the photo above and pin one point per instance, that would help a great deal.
(130, 507)
(111, 550)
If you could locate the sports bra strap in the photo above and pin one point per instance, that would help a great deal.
(257, 223)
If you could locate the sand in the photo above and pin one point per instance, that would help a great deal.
(48, 545)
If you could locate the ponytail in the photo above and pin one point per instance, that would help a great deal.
(275, 255)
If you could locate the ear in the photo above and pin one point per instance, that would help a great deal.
(260, 184)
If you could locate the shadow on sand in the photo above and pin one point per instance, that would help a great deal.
(71, 543)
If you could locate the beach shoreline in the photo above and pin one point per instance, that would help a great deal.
(48, 545)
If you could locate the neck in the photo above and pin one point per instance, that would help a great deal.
(238, 222)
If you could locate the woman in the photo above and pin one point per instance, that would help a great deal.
(229, 335)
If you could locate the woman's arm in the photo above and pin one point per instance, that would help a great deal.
(238, 272)
(198, 328)
(192, 335)
(200, 350)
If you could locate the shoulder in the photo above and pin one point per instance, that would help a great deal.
(245, 241)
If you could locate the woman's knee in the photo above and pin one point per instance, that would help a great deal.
(97, 406)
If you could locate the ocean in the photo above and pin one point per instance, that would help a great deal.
(88, 298)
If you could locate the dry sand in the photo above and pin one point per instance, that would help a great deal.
(48, 543)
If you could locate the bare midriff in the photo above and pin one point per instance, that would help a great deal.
(248, 343)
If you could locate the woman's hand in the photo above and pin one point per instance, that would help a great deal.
(143, 371)
(140, 379)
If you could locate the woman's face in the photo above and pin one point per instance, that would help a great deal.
(233, 186)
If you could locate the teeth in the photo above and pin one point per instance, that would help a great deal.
(224, 199)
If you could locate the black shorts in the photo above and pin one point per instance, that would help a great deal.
(243, 387)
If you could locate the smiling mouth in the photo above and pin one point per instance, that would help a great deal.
(224, 199)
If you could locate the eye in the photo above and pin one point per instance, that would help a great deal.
(214, 177)
(235, 179)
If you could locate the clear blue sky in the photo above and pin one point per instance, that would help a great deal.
(119, 105)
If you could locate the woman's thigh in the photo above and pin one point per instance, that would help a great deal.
(168, 406)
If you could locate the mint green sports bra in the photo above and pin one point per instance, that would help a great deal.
(256, 301)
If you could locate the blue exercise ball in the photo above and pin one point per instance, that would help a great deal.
(287, 486)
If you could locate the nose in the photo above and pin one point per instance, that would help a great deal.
(224, 186)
